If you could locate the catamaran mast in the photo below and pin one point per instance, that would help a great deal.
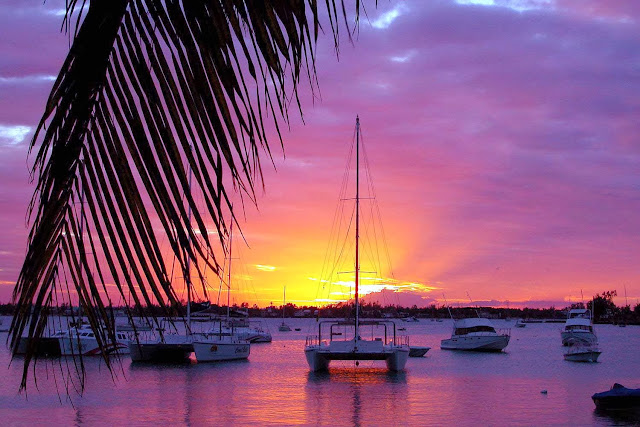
(357, 332)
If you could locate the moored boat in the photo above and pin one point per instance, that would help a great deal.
(384, 343)
(580, 352)
(476, 334)
(618, 398)
(416, 351)
(578, 327)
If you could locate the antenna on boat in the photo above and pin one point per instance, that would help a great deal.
(476, 307)
(448, 308)
(357, 332)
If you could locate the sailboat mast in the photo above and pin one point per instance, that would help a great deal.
(189, 262)
(284, 299)
(357, 332)
(229, 280)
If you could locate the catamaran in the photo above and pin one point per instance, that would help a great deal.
(391, 348)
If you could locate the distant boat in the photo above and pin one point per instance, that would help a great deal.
(415, 351)
(476, 334)
(284, 327)
(389, 347)
(580, 352)
(618, 398)
(520, 323)
(578, 328)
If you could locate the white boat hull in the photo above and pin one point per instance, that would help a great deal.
(476, 343)
(585, 356)
(88, 346)
(579, 337)
(217, 351)
(319, 356)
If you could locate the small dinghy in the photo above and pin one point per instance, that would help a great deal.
(418, 351)
(619, 398)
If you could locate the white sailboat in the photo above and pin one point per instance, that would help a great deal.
(390, 348)
(283, 326)
(220, 344)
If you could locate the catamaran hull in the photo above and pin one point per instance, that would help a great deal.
(476, 343)
(217, 352)
(42, 347)
(318, 359)
(569, 338)
(160, 352)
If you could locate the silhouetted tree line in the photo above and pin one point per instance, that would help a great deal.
(602, 305)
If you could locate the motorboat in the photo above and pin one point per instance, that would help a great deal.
(520, 323)
(415, 351)
(580, 352)
(81, 339)
(476, 334)
(578, 328)
(618, 398)
(247, 331)
(384, 343)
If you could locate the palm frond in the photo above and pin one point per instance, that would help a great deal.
(150, 90)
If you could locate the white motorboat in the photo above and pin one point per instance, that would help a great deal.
(80, 339)
(580, 352)
(578, 328)
(386, 346)
(520, 323)
(476, 334)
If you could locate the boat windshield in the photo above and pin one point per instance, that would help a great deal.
(579, 328)
(464, 331)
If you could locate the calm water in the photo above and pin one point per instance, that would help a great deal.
(276, 387)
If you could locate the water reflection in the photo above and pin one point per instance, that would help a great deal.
(629, 417)
(356, 396)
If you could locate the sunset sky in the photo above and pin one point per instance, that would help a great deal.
(502, 136)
